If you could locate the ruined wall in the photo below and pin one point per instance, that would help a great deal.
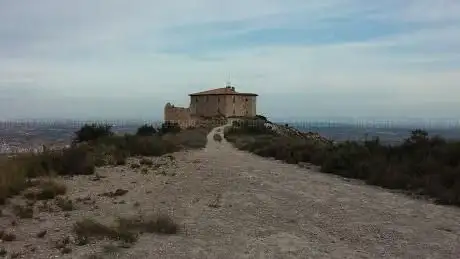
(183, 116)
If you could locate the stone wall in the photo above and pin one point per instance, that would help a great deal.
(227, 105)
(208, 105)
(211, 106)
(241, 105)
(182, 116)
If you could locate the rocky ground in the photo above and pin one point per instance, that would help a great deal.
(230, 204)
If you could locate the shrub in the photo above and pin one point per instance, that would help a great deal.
(82, 158)
(12, 178)
(192, 139)
(46, 190)
(88, 228)
(146, 161)
(91, 132)
(146, 130)
(23, 212)
(170, 127)
(149, 146)
(65, 204)
(161, 224)
(421, 164)
(261, 117)
(249, 126)
(217, 137)
(74, 161)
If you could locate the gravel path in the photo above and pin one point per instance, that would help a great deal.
(231, 204)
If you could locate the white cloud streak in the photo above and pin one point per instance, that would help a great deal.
(100, 50)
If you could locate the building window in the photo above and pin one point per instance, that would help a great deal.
(233, 97)
(233, 111)
(246, 99)
(218, 110)
(218, 99)
(196, 99)
(207, 98)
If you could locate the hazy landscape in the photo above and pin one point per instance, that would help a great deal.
(229, 129)
(26, 135)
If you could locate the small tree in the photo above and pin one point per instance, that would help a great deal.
(417, 136)
(146, 130)
(91, 132)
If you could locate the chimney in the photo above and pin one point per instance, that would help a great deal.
(233, 89)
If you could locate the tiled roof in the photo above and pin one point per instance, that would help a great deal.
(221, 91)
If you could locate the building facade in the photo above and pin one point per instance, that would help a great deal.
(220, 102)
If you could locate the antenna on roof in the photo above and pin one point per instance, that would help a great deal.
(228, 84)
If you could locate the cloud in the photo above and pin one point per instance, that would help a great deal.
(329, 57)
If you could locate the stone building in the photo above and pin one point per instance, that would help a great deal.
(220, 102)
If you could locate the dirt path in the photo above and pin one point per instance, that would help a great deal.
(232, 204)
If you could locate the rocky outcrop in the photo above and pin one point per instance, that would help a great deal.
(293, 132)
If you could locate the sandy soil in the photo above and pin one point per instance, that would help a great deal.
(231, 204)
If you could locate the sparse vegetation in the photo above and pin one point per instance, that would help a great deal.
(217, 137)
(7, 236)
(135, 166)
(23, 212)
(91, 132)
(116, 193)
(146, 130)
(146, 161)
(88, 228)
(422, 164)
(170, 127)
(65, 204)
(93, 145)
(160, 224)
(42, 233)
(46, 190)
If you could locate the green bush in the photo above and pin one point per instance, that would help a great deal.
(82, 158)
(170, 127)
(90, 132)
(146, 130)
(217, 137)
(421, 164)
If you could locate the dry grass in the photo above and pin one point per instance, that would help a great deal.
(125, 229)
(65, 204)
(12, 178)
(46, 190)
(420, 165)
(23, 212)
(146, 161)
(161, 224)
(88, 228)
(82, 159)
(7, 236)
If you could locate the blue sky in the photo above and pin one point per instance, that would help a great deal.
(315, 59)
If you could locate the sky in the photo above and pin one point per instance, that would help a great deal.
(306, 59)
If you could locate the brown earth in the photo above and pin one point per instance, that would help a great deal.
(232, 204)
